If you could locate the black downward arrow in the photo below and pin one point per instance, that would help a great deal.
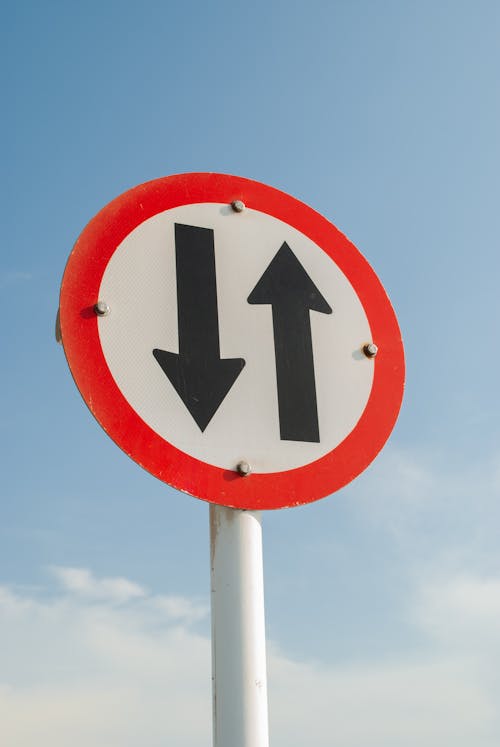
(289, 289)
(199, 375)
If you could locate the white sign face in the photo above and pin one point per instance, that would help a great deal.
(231, 341)
(148, 286)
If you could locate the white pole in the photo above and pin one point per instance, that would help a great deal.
(239, 680)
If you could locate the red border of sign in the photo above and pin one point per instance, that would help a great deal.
(79, 292)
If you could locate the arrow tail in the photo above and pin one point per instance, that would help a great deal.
(196, 292)
(298, 410)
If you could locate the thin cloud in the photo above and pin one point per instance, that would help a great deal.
(80, 671)
(462, 612)
(14, 277)
(423, 498)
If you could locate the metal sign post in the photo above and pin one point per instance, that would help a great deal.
(239, 680)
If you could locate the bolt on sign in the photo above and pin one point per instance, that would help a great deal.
(231, 341)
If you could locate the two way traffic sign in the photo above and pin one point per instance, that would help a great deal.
(217, 327)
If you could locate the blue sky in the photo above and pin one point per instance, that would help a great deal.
(382, 600)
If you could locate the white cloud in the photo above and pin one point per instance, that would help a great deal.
(82, 581)
(83, 669)
(444, 694)
(78, 668)
(413, 703)
(462, 612)
(180, 608)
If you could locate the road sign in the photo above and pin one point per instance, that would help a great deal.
(231, 341)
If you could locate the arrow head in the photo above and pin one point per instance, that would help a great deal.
(286, 283)
(202, 384)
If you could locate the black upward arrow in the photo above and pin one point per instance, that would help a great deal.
(199, 375)
(289, 289)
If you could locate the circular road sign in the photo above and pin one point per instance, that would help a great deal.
(231, 341)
